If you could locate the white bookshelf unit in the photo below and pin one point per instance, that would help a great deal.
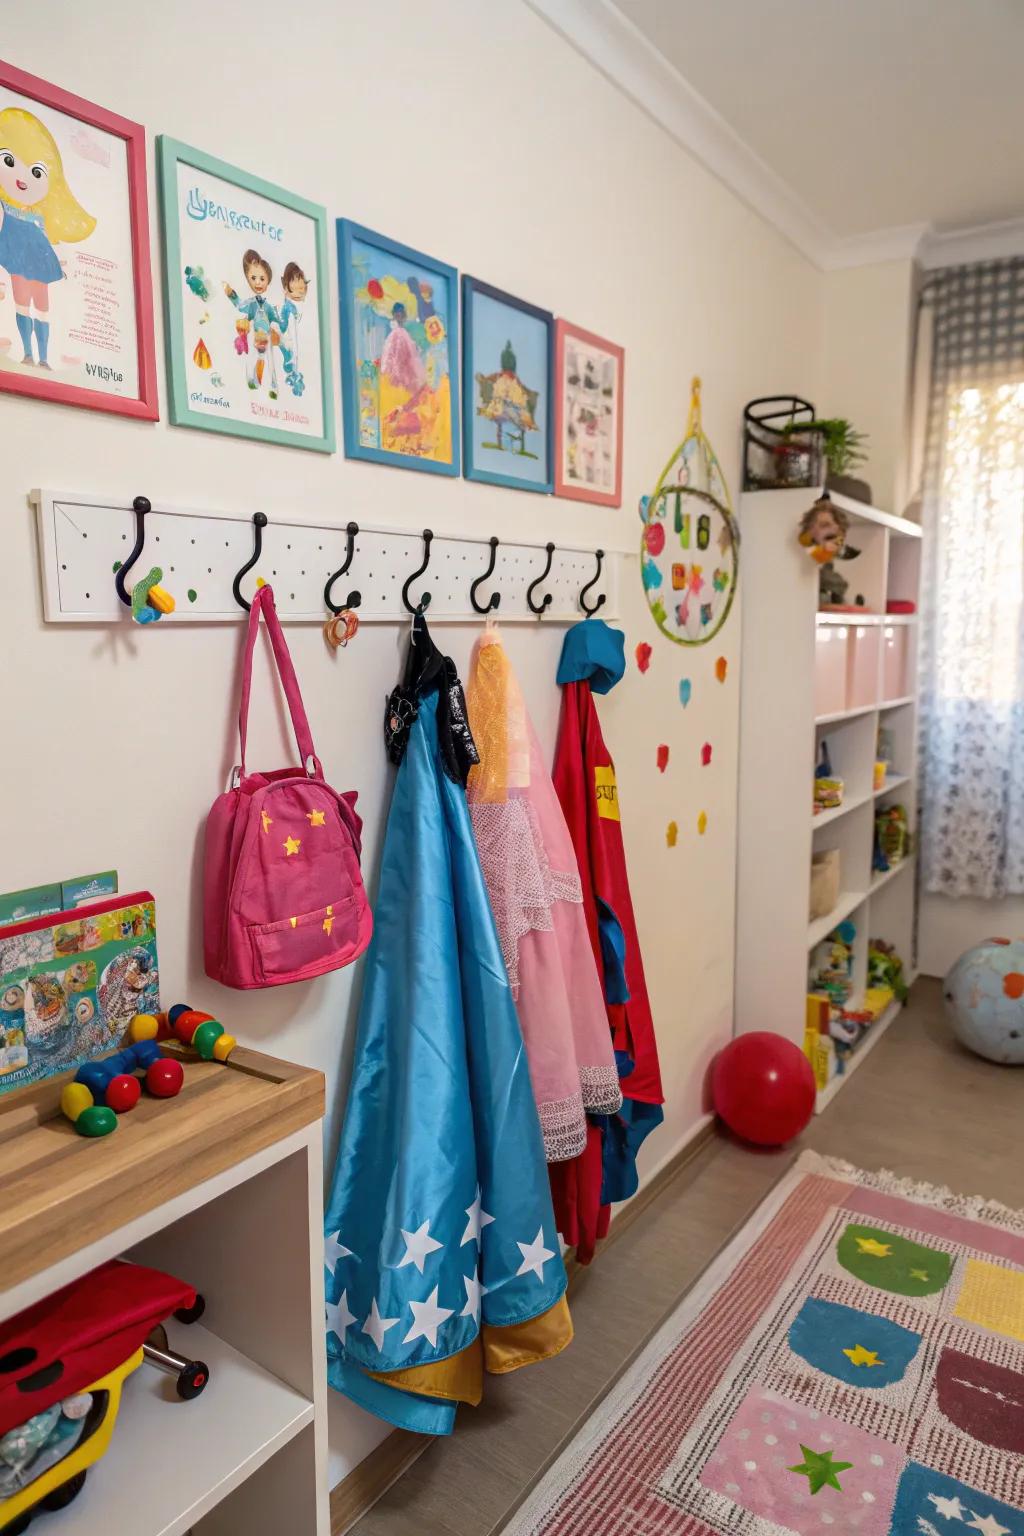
(809, 675)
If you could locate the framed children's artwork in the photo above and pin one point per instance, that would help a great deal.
(245, 303)
(506, 380)
(76, 297)
(588, 416)
(399, 352)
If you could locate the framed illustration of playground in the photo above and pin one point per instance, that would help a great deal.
(76, 297)
(245, 303)
(507, 406)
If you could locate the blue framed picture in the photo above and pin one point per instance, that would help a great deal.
(507, 398)
(399, 314)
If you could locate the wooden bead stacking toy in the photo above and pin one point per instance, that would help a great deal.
(205, 1034)
(102, 1090)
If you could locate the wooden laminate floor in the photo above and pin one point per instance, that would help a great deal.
(918, 1105)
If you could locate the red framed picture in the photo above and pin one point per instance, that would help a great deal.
(588, 389)
(76, 291)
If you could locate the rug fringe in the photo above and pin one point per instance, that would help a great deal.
(974, 1207)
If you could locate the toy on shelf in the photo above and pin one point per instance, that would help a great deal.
(831, 970)
(102, 1090)
(892, 838)
(828, 790)
(205, 1034)
(823, 530)
(885, 969)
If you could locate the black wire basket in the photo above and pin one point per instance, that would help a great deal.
(777, 455)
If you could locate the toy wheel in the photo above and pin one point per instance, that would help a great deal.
(193, 1313)
(62, 1496)
(192, 1380)
(16, 1526)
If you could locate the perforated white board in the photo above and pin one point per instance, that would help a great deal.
(81, 537)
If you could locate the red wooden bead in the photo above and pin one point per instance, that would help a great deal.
(165, 1077)
(123, 1093)
(186, 1024)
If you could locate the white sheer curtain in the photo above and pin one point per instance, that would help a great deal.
(973, 587)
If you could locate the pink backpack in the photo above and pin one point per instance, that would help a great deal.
(283, 898)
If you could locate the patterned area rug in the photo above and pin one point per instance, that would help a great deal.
(852, 1364)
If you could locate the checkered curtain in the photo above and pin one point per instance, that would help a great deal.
(972, 639)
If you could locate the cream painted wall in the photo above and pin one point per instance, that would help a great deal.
(949, 925)
(476, 134)
(867, 361)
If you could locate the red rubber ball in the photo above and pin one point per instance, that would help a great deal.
(763, 1088)
(165, 1077)
(123, 1093)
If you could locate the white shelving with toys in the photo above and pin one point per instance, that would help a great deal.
(845, 677)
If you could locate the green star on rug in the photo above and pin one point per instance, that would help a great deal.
(820, 1470)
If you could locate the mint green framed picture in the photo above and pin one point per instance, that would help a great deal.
(246, 303)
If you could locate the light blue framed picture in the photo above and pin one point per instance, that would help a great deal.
(507, 396)
(245, 303)
(399, 314)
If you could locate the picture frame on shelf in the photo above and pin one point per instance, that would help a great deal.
(399, 315)
(246, 303)
(588, 389)
(507, 373)
(76, 293)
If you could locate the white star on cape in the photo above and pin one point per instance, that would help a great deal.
(951, 1509)
(339, 1317)
(478, 1219)
(417, 1245)
(429, 1317)
(377, 1326)
(989, 1526)
(474, 1291)
(535, 1256)
(335, 1251)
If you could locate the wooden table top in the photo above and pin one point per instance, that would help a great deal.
(60, 1191)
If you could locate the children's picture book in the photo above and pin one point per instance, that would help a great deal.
(69, 983)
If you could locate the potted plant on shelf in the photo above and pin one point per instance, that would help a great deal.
(842, 447)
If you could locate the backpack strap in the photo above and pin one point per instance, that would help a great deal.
(263, 602)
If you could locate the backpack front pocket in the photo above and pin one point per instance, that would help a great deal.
(311, 943)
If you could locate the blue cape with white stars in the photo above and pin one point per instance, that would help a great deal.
(440, 1213)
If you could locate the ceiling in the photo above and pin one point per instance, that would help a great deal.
(868, 116)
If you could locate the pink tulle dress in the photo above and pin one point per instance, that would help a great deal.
(533, 881)
(400, 361)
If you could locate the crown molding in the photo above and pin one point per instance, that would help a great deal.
(619, 50)
(598, 30)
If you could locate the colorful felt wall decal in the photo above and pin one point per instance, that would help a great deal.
(893, 1263)
(662, 758)
(702, 823)
(671, 834)
(685, 691)
(853, 1346)
(643, 656)
(705, 754)
(721, 668)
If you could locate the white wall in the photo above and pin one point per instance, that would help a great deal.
(949, 925)
(476, 134)
(868, 314)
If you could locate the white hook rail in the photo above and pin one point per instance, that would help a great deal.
(82, 536)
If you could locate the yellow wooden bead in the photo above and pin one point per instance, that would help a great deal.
(144, 1026)
(223, 1046)
(74, 1098)
(160, 599)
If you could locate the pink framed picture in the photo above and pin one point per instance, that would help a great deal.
(588, 416)
(76, 292)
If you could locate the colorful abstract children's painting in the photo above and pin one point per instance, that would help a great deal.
(507, 411)
(399, 342)
(76, 308)
(588, 416)
(246, 299)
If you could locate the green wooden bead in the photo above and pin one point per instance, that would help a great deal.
(205, 1037)
(97, 1121)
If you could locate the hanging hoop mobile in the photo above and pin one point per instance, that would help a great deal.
(690, 546)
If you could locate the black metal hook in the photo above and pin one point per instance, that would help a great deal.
(140, 506)
(354, 598)
(424, 602)
(495, 597)
(259, 522)
(593, 582)
(546, 599)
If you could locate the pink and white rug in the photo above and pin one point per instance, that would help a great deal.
(852, 1364)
